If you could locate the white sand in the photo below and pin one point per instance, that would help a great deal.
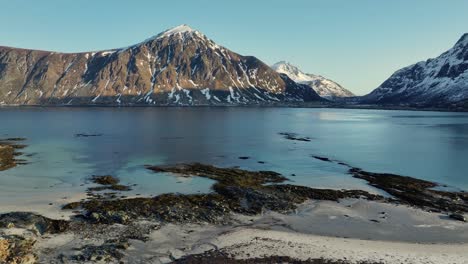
(353, 218)
(312, 233)
(248, 243)
(319, 229)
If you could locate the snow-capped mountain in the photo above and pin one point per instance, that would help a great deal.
(180, 66)
(440, 81)
(323, 86)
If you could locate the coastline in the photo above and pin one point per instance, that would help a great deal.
(249, 217)
(246, 220)
(409, 236)
(272, 105)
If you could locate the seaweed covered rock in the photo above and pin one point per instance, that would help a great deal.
(415, 192)
(107, 182)
(166, 207)
(16, 250)
(9, 150)
(236, 191)
(226, 176)
(33, 222)
(107, 253)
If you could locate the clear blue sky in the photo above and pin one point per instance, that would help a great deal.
(358, 43)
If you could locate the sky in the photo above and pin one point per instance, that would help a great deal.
(358, 43)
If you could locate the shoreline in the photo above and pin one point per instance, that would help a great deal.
(259, 243)
(250, 216)
(273, 235)
(318, 106)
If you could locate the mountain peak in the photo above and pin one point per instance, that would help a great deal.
(323, 86)
(436, 82)
(282, 64)
(181, 29)
(292, 71)
(463, 40)
(184, 28)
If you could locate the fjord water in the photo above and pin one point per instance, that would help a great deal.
(426, 145)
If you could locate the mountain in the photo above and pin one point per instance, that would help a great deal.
(323, 86)
(180, 66)
(442, 81)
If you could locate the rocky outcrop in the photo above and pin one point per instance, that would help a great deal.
(236, 191)
(17, 250)
(9, 151)
(180, 66)
(33, 222)
(416, 192)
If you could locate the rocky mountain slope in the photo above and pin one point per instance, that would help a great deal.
(180, 66)
(442, 81)
(323, 86)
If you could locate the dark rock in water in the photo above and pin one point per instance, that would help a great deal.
(251, 192)
(344, 164)
(7, 157)
(236, 190)
(261, 162)
(33, 222)
(294, 136)
(105, 180)
(227, 176)
(9, 150)
(88, 135)
(244, 158)
(113, 187)
(458, 217)
(322, 158)
(415, 192)
(14, 139)
(109, 183)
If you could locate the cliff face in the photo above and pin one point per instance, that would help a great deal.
(180, 66)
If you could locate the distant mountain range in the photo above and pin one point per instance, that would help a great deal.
(323, 86)
(439, 82)
(180, 66)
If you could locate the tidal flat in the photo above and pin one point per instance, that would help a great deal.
(305, 191)
(109, 228)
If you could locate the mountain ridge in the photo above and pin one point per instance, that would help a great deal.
(440, 81)
(321, 85)
(180, 66)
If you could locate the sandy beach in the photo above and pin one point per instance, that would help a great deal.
(344, 231)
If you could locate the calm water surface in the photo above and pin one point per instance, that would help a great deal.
(427, 145)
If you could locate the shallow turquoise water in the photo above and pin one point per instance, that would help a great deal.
(427, 145)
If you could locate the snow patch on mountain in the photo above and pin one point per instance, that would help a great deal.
(323, 86)
(177, 30)
(292, 71)
(442, 80)
(179, 66)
